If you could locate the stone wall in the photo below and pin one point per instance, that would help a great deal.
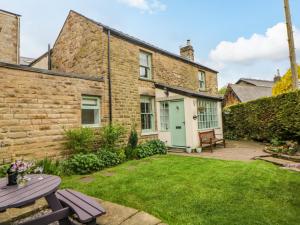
(36, 106)
(9, 38)
(230, 98)
(41, 63)
(82, 48)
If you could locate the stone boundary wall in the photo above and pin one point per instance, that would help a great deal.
(36, 106)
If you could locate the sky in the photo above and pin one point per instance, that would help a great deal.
(237, 38)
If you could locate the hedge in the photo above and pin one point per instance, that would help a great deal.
(265, 119)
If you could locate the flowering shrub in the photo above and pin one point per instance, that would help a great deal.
(20, 167)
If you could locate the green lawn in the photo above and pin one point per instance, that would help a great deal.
(186, 190)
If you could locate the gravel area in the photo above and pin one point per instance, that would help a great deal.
(37, 215)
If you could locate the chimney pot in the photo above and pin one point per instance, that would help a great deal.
(187, 51)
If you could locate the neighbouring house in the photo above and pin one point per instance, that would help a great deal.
(102, 75)
(246, 89)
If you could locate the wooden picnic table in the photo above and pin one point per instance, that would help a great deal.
(39, 186)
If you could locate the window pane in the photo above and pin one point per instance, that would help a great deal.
(201, 77)
(88, 116)
(90, 110)
(147, 114)
(143, 72)
(207, 114)
(89, 101)
(143, 59)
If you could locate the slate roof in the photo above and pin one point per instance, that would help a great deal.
(145, 44)
(187, 92)
(247, 93)
(25, 60)
(257, 82)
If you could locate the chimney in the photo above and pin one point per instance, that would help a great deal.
(277, 77)
(187, 51)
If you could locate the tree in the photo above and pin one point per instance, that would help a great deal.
(222, 90)
(285, 84)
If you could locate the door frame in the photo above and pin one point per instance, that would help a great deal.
(183, 117)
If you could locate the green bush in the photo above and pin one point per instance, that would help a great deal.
(158, 147)
(265, 119)
(50, 166)
(150, 148)
(80, 140)
(3, 170)
(121, 155)
(144, 150)
(109, 158)
(131, 153)
(133, 138)
(110, 136)
(83, 164)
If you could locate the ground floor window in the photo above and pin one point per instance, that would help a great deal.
(164, 116)
(147, 114)
(207, 114)
(90, 111)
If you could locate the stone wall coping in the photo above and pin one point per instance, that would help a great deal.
(51, 72)
(11, 13)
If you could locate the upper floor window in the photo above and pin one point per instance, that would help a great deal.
(201, 78)
(145, 65)
(90, 111)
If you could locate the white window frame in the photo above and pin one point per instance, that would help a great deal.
(148, 67)
(96, 107)
(164, 116)
(150, 100)
(202, 80)
(207, 116)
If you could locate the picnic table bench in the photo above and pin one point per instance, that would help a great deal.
(208, 138)
(63, 203)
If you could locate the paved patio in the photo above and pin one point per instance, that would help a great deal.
(235, 150)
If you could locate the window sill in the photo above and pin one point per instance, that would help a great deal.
(91, 125)
(207, 129)
(146, 79)
(149, 133)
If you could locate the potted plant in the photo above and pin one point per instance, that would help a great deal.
(188, 149)
(199, 149)
(17, 171)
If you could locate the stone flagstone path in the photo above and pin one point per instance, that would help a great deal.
(115, 214)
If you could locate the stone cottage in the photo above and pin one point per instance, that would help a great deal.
(103, 75)
(166, 96)
(246, 89)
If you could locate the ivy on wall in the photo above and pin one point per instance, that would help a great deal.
(265, 119)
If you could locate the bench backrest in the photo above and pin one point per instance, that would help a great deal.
(207, 135)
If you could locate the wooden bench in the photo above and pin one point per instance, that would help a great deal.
(208, 138)
(83, 207)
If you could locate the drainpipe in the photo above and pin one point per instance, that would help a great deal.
(49, 57)
(109, 77)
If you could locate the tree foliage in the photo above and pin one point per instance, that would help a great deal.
(285, 83)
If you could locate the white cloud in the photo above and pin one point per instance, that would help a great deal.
(271, 46)
(150, 6)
